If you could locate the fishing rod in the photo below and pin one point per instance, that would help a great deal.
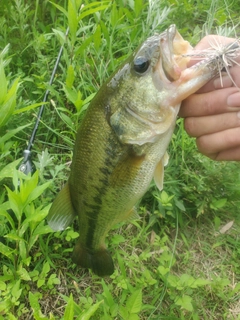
(27, 165)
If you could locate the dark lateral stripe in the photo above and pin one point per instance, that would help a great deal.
(105, 170)
(98, 200)
(101, 189)
(91, 229)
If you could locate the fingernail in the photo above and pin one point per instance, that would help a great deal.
(238, 114)
(234, 100)
(223, 82)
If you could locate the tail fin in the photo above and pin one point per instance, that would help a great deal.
(100, 261)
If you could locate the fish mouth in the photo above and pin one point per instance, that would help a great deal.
(172, 49)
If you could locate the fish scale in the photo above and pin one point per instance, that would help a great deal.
(122, 141)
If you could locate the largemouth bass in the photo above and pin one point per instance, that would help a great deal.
(121, 143)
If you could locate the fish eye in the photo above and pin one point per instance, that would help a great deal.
(141, 65)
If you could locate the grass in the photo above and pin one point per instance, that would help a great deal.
(180, 260)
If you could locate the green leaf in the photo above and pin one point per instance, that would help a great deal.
(13, 236)
(22, 249)
(97, 38)
(40, 283)
(33, 299)
(4, 51)
(46, 268)
(88, 9)
(15, 203)
(70, 77)
(165, 199)
(162, 270)
(180, 205)
(123, 312)
(38, 191)
(24, 275)
(69, 311)
(67, 120)
(114, 15)
(76, 98)
(133, 316)
(23, 228)
(42, 230)
(16, 292)
(3, 286)
(5, 250)
(7, 171)
(27, 187)
(32, 106)
(3, 83)
(11, 133)
(138, 7)
(217, 204)
(184, 302)
(117, 238)
(60, 35)
(72, 20)
(5, 214)
(90, 312)
(79, 50)
(59, 8)
(38, 216)
(105, 32)
(200, 282)
(107, 294)
(43, 275)
(11, 317)
(134, 302)
(53, 279)
(8, 105)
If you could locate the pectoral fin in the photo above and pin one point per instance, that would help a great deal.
(61, 213)
(133, 214)
(159, 171)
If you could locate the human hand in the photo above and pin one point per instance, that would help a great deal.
(212, 115)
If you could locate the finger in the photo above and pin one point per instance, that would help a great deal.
(218, 82)
(228, 79)
(234, 100)
(208, 42)
(222, 81)
(212, 40)
(210, 103)
(227, 155)
(213, 144)
(217, 45)
(202, 126)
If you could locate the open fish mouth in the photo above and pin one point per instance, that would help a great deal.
(172, 48)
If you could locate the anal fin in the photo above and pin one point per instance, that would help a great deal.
(61, 213)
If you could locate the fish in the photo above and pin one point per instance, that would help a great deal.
(121, 144)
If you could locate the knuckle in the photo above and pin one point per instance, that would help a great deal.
(189, 126)
(208, 105)
(203, 146)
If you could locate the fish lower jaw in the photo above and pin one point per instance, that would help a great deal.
(191, 80)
